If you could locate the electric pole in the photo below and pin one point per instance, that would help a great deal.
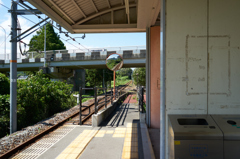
(13, 71)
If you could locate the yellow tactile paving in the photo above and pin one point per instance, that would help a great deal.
(132, 125)
(131, 155)
(130, 146)
(128, 139)
(77, 146)
(119, 135)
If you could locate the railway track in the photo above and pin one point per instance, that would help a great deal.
(7, 150)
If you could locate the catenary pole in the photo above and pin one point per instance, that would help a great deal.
(13, 71)
(163, 82)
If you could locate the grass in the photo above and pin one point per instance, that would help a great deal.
(85, 99)
(121, 81)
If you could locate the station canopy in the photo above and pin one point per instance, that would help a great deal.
(101, 16)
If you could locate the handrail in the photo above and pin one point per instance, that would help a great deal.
(97, 104)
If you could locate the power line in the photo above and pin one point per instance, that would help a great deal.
(49, 23)
(20, 15)
(66, 34)
(6, 39)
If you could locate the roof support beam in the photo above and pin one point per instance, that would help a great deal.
(103, 12)
(109, 6)
(112, 20)
(60, 10)
(127, 10)
(94, 6)
(107, 28)
(80, 10)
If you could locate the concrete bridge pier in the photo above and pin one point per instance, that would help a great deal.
(78, 79)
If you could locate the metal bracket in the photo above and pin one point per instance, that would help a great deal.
(26, 12)
(29, 29)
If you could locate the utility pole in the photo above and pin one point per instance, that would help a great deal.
(13, 71)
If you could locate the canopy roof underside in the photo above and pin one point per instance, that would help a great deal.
(101, 16)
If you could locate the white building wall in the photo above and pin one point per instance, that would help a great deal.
(224, 57)
(202, 57)
(186, 57)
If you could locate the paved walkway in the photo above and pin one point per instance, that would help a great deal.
(117, 137)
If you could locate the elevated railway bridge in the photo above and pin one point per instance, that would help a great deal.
(133, 56)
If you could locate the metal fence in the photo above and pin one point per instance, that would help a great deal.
(97, 104)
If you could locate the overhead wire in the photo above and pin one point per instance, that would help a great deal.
(52, 25)
(20, 15)
(49, 23)
(6, 39)
(19, 29)
(66, 34)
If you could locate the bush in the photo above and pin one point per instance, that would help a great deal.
(4, 85)
(39, 98)
(4, 114)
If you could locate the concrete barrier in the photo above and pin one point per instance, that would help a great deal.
(146, 142)
(103, 114)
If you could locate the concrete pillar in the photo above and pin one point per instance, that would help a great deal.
(79, 79)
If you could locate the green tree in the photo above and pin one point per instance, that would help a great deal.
(53, 41)
(139, 76)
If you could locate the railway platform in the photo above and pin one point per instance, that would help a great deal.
(121, 135)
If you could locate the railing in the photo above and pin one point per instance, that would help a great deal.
(141, 91)
(97, 104)
(7, 57)
(86, 52)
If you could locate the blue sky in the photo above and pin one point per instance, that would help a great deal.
(91, 40)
